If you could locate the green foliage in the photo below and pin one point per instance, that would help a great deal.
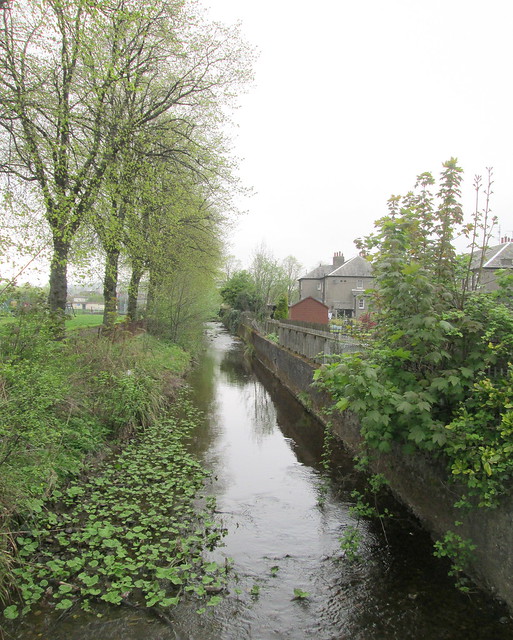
(131, 533)
(417, 377)
(350, 543)
(460, 551)
(436, 376)
(299, 594)
(479, 441)
(60, 401)
(84, 157)
(273, 337)
(282, 308)
(240, 293)
(183, 302)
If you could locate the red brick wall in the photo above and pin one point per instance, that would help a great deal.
(309, 310)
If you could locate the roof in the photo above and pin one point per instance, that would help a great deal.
(497, 257)
(309, 298)
(317, 273)
(356, 267)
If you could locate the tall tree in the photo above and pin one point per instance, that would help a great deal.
(66, 69)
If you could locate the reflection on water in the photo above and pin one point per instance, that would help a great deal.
(264, 452)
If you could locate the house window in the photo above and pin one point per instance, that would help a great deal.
(319, 286)
(359, 284)
(361, 303)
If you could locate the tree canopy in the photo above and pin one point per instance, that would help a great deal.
(91, 92)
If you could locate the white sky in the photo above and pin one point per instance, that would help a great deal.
(353, 100)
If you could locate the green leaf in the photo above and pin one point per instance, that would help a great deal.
(405, 407)
(64, 604)
(342, 404)
(417, 434)
(11, 612)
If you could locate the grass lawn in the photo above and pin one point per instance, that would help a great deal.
(80, 321)
(83, 320)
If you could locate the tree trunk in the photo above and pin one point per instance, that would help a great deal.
(151, 315)
(110, 283)
(133, 292)
(58, 294)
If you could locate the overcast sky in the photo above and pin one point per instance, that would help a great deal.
(353, 100)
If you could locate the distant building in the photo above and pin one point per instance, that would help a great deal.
(494, 258)
(340, 286)
(309, 310)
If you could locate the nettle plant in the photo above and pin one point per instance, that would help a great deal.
(435, 376)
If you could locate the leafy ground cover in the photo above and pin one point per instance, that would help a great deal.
(132, 533)
(60, 402)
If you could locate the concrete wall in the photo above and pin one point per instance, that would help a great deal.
(311, 287)
(416, 481)
(341, 293)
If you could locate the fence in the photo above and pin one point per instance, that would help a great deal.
(314, 344)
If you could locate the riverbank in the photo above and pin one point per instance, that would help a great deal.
(64, 406)
(420, 485)
(134, 533)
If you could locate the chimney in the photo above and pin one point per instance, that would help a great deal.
(338, 259)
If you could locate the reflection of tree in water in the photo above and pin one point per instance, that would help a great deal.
(260, 409)
(235, 367)
(203, 381)
(299, 425)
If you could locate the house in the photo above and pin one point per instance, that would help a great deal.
(340, 285)
(90, 302)
(494, 258)
(309, 310)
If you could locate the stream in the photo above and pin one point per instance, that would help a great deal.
(264, 451)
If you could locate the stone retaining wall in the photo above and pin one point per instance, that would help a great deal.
(414, 479)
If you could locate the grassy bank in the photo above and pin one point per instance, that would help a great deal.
(60, 402)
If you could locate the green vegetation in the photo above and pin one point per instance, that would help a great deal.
(268, 282)
(131, 533)
(282, 308)
(436, 376)
(59, 403)
(83, 320)
(114, 139)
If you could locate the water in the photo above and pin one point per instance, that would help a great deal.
(264, 451)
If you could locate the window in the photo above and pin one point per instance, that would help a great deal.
(361, 303)
(319, 286)
(359, 283)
